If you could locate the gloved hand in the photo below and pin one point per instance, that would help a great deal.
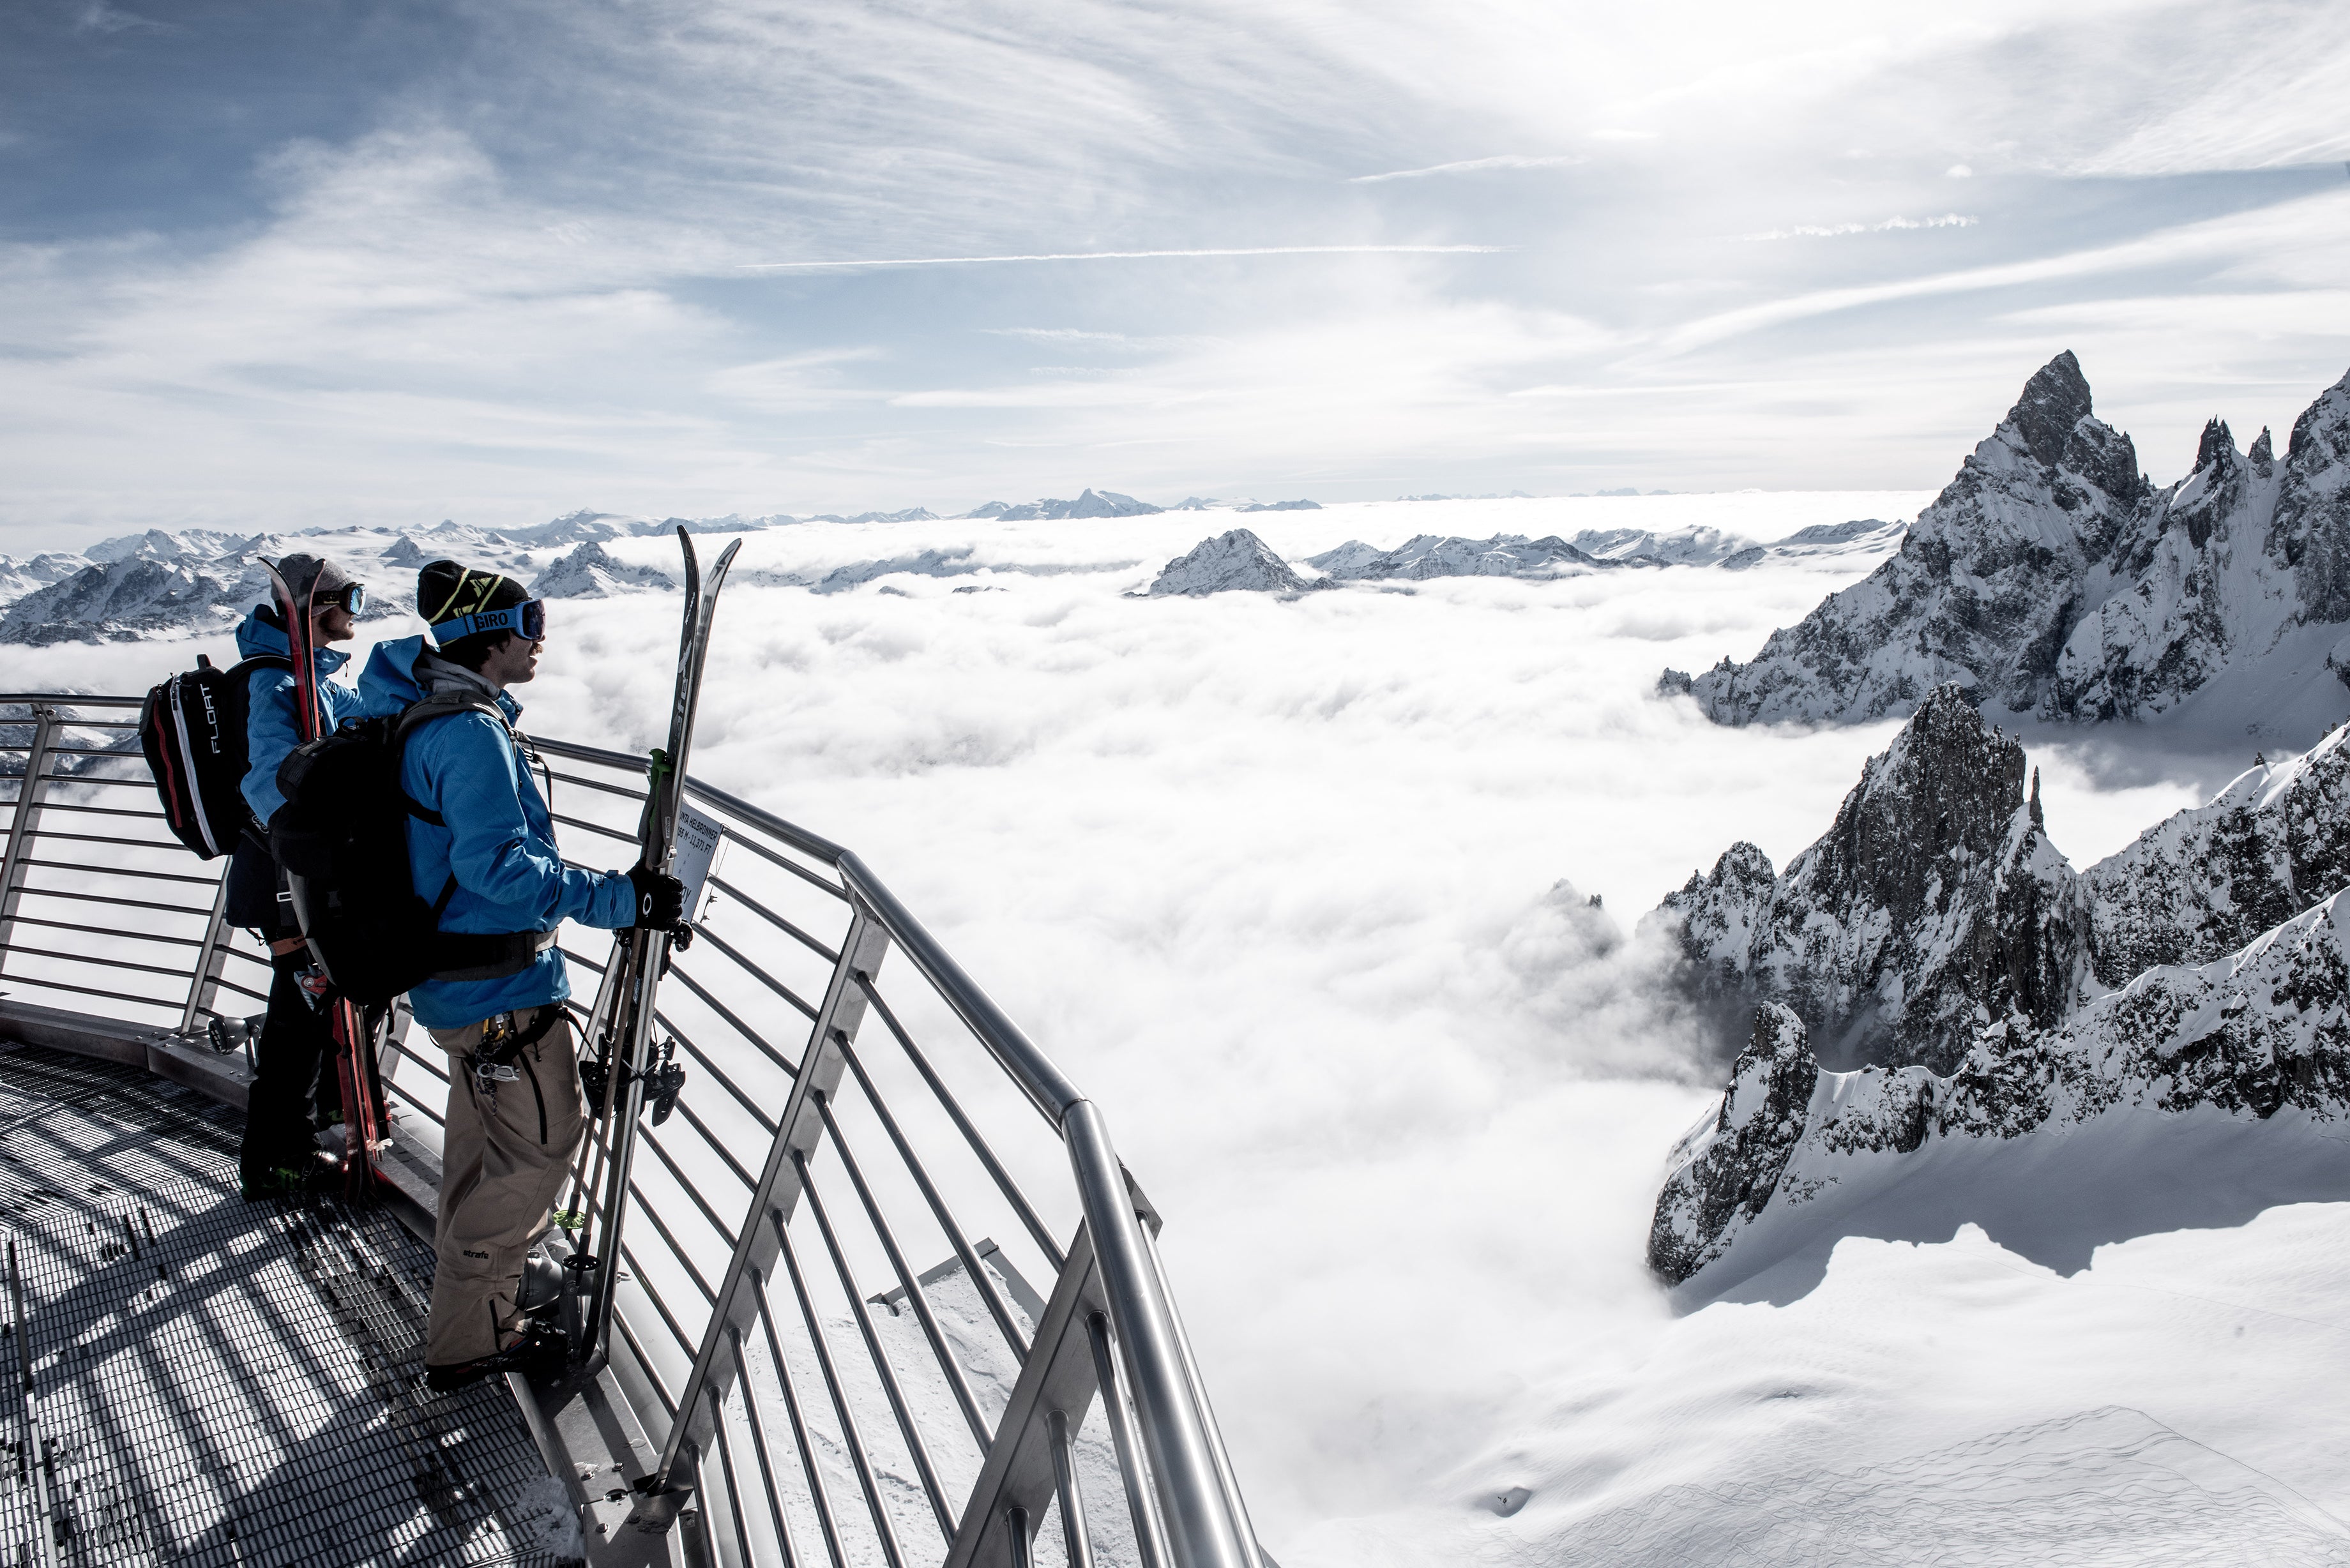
(660, 899)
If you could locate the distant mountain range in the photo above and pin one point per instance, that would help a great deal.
(163, 583)
(1239, 561)
(2051, 578)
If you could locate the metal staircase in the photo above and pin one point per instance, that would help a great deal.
(827, 1347)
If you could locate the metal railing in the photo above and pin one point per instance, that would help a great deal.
(815, 1394)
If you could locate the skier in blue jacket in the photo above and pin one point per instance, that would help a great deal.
(491, 862)
(291, 1070)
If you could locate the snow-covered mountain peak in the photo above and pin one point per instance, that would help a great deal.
(1236, 560)
(2050, 578)
(589, 572)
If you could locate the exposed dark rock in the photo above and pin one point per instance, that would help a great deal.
(1934, 904)
(1727, 1184)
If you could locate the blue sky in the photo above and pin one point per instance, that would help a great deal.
(275, 265)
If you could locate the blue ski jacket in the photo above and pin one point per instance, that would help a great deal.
(496, 838)
(269, 732)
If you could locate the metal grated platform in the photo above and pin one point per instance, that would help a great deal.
(213, 1381)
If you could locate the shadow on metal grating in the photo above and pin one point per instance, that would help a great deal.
(211, 1381)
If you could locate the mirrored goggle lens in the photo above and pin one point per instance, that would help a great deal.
(355, 598)
(533, 619)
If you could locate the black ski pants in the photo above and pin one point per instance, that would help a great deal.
(293, 1072)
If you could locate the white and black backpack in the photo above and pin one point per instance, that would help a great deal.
(191, 728)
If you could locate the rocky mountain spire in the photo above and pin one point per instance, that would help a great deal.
(2054, 400)
(1934, 902)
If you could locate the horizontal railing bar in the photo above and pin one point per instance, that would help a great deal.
(765, 1121)
(793, 867)
(595, 784)
(954, 1232)
(773, 919)
(78, 780)
(106, 898)
(1037, 1074)
(756, 1419)
(979, 1146)
(395, 1086)
(644, 1282)
(676, 1250)
(595, 964)
(48, 805)
(593, 827)
(679, 972)
(116, 750)
(637, 1349)
(853, 1438)
(110, 931)
(691, 1191)
(907, 1281)
(109, 838)
(72, 699)
(784, 1381)
(167, 1004)
(121, 871)
(862, 1311)
(240, 953)
(762, 976)
(227, 984)
(434, 1068)
(724, 1153)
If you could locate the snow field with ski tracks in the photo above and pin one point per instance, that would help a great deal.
(1275, 880)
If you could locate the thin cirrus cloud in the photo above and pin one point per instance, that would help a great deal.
(1892, 224)
(1472, 166)
(1131, 255)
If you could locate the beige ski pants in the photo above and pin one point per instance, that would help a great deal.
(506, 1154)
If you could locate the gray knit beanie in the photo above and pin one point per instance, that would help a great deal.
(306, 575)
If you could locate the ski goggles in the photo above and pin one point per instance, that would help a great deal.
(526, 620)
(352, 596)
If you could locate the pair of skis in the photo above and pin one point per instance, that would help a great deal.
(621, 1026)
(354, 1041)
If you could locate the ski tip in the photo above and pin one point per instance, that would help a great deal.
(726, 555)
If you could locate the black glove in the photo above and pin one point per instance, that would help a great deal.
(660, 899)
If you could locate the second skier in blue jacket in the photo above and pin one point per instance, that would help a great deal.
(292, 1058)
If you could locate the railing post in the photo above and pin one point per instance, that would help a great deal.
(204, 984)
(773, 1201)
(27, 819)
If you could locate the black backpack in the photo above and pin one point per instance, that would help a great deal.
(191, 728)
(342, 839)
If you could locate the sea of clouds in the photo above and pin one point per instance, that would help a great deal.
(1299, 892)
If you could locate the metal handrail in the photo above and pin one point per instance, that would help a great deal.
(700, 1352)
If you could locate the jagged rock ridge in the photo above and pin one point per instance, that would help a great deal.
(2049, 577)
(2249, 1036)
(2204, 967)
(1934, 903)
(2209, 879)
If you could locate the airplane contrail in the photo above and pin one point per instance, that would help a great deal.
(1138, 255)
